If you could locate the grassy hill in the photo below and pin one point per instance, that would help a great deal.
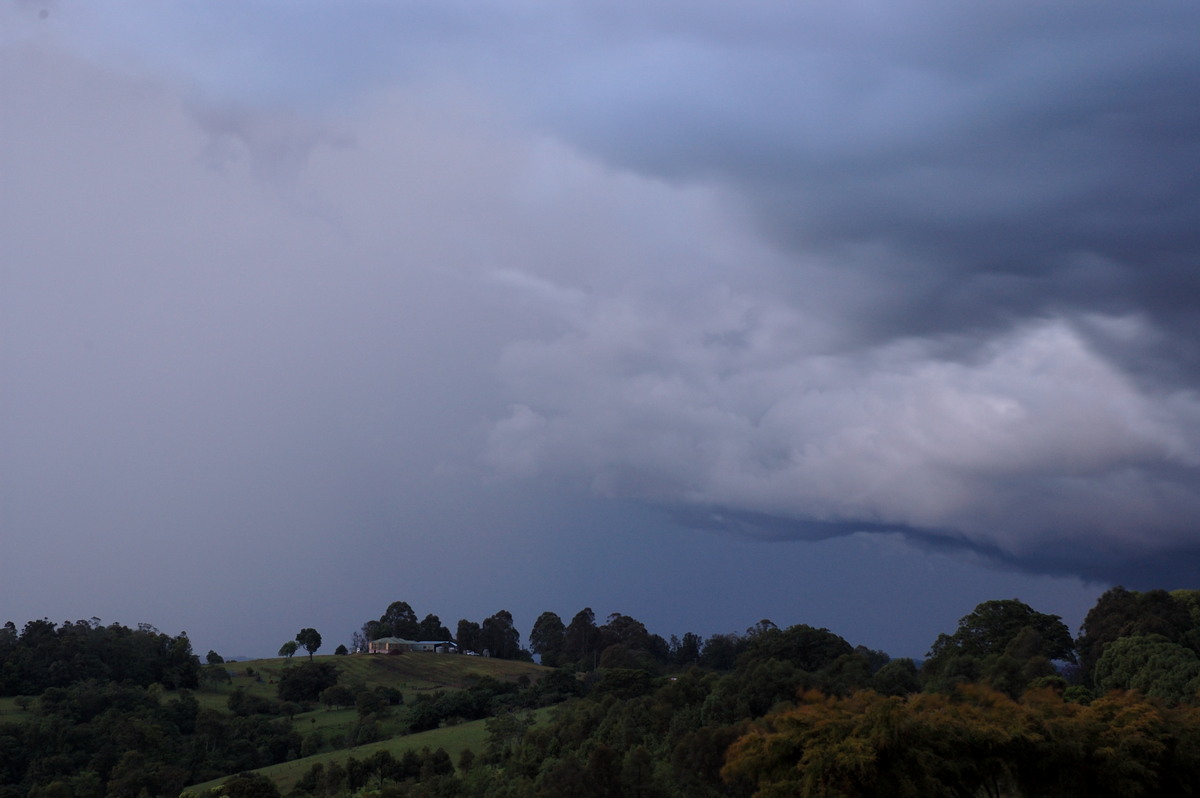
(406, 672)
(412, 674)
(453, 739)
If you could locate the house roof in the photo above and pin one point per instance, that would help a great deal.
(394, 641)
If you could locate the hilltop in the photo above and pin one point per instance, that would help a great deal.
(407, 672)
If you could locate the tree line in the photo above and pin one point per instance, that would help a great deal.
(583, 644)
(1008, 703)
(44, 655)
(1148, 641)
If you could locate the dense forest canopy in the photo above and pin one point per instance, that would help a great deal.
(43, 655)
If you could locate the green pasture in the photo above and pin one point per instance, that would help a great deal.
(410, 673)
(453, 739)
(11, 711)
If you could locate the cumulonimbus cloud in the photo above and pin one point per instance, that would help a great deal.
(980, 324)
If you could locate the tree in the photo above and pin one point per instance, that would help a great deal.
(431, 628)
(468, 636)
(505, 732)
(557, 686)
(289, 648)
(686, 651)
(867, 744)
(310, 639)
(306, 682)
(500, 637)
(899, 677)
(370, 703)
(1005, 643)
(993, 625)
(1125, 613)
(337, 695)
(762, 627)
(624, 629)
(216, 674)
(753, 689)
(249, 785)
(721, 651)
(807, 647)
(213, 658)
(546, 638)
(623, 683)
(581, 640)
(1151, 664)
(341, 651)
(399, 620)
(181, 667)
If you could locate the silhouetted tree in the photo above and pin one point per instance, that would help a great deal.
(499, 636)
(468, 637)
(310, 640)
(581, 640)
(547, 637)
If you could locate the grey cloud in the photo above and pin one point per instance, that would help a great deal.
(994, 148)
(792, 273)
(987, 222)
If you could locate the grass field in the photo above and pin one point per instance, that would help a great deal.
(408, 672)
(412, 674)
(11, 711)
(453, 739)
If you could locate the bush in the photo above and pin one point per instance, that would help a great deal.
(337, 696)
(250, 785)
(305, 683)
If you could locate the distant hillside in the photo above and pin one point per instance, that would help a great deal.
(419, 671)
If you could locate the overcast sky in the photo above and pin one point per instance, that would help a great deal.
(849, 314)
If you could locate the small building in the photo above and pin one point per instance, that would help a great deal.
(436, 646)
(391, 645)
(398, 645)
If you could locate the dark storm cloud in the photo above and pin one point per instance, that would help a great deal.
(1020, 158)
(984, 330)
(1037, 441)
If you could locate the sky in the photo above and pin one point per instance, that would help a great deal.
(853, 315)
